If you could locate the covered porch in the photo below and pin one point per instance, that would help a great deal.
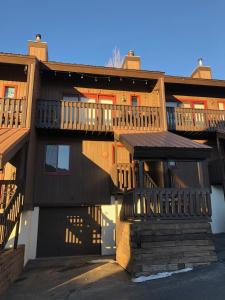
(164, 222)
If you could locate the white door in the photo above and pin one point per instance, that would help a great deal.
(87, 115)
(107, 112)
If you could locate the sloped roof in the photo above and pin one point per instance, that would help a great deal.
(11, 140)
(163, 145)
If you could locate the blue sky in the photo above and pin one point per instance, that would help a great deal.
(169, 35)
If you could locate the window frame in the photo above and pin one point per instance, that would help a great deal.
(96, 96)
(138, 100)
(61, 173)
(5, 86)
(195, 101)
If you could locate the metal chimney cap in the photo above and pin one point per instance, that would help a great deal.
(200, 62)
(131, 53)
(38, 37)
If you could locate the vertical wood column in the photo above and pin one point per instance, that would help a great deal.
(162, 102)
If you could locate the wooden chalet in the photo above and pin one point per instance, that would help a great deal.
(98, 160)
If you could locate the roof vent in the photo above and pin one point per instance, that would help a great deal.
(38, 37)
(200, 62)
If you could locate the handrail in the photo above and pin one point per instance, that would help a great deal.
(148, 181)
(188, 119)
(10, 215)
(12, 113)
(96, 116)
(166, 203)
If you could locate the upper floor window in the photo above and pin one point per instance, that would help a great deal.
(221, 105)
(71, 98)
(186, 105)
(57, 158)
(134, 100)
(199, 105)
(10, 92)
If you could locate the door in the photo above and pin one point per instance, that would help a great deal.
(69, 231)
(87, 113)
(107, 111)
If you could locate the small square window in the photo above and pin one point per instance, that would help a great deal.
(10, 92)
(134, 100)
(57, 158)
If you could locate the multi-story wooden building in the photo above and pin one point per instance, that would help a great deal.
(82, 146)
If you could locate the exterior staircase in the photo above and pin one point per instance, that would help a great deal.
(11, 206)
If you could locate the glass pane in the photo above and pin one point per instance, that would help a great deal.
(186, 105)
(63, 158)
(221, 106)
(51, 158)
(70, 98)
(199, 105)
(134, 101)
(9, 92)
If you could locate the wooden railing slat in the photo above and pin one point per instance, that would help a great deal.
(168, 203)
(96, 116)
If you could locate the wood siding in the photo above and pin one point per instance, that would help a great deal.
(54, 90)
(88, 181)
(13, 75)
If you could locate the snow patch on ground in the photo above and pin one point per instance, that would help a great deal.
(159, 275)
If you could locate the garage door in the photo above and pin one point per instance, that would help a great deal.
(69, 231)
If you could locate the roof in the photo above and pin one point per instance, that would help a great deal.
(163, 145)
(100, 70)
(11, 140)
(194, 81)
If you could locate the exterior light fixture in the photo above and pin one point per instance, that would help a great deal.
(82, 76)
(133, 81)
(96, 79)
(69, 74)
(146, 82)
(109, 79)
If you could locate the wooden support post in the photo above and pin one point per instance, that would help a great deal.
(221, 159)
(141, 174)
(17, 233)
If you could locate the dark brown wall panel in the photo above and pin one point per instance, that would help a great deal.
(87, 182)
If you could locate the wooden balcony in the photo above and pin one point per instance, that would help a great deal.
(166, 203)
(187, 119)
(12, 113)
(96, 117)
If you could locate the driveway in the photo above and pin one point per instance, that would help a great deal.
(85, 277)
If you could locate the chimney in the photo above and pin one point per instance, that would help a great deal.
(202, 71)
(38, 48)
(131, 61)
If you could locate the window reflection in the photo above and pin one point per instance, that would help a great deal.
(57, 158)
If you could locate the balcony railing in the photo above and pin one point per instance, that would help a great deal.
(12, 113)
(123, 176)
(96, 117)
(166, 203)
(187, 119)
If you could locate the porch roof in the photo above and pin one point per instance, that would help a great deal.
(163, 145)
(11, 140)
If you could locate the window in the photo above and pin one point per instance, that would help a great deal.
(10, 92)
(199, 105)
(134, 100)
(221, 105)
(57, 158)
(171, 104)
(186, 105)
(71, 98)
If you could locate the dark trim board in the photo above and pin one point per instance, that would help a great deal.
(69, 231)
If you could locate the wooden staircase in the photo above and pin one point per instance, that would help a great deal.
(11, 206)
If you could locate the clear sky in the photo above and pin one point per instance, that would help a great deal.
(169, 35)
